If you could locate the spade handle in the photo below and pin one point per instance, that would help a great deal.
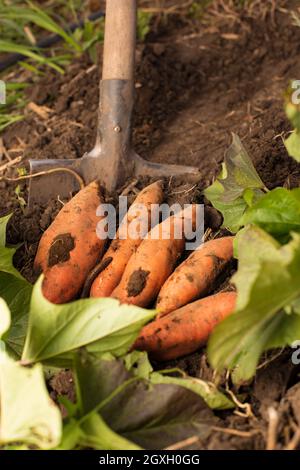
(119, 40)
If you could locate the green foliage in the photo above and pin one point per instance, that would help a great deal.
(103, 325)
(32, 14)
(117, 409)
(122, 403)
(16, 292)
(143, 24)
(213, 397)
(20, 199)
(268, 285)
(27, 414)
(31, 53)
(237, 187)
(14, 96)
(89, 36)
(38, 422)
(277, 212)
(10, 112)
(267, 280)
(138, 363)
(198, 8)
(8, 119)
(4, 317)
(13, 19)
(292, 143)
(6, 254)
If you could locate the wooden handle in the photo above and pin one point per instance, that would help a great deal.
(119, 40)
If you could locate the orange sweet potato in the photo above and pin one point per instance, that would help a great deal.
(187, 329)
(195, 277)
(70, 247)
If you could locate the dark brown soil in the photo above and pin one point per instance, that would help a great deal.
(60, 249)
(197, 81)
(137, 282)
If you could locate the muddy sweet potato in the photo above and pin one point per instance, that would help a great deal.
(125, 244)
(70, 247)
(187, 329)
(195, 277)
(153, 262)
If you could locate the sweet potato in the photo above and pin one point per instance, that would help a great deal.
(70, 247)
(185, 330)
(125, 244)
(195, 277)
(154, 260)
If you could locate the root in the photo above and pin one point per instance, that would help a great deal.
(9, 164)
(244, 406)
(42, 173)
(184, 443)
(272, 429)
(236, 432)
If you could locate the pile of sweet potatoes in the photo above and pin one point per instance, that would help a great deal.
(142, 271)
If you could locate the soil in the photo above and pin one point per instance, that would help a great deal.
(60, 250)
(137, 282)
(197, 81)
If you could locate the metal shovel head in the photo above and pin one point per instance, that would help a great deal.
(53, 179)
(112, 161)
(57, 179)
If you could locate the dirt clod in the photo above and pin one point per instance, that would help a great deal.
(60, 249)
(137, 282)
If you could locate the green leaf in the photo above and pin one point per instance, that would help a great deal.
(143, 24)
(33, 14)
(292, 144)
(287, 332)
(237, 186)
(101, 324)
(17, 293)
(27, 413)
(6, 254)
(97, 379)
(150, 415)
(97, 435)
(232, 212)
(267, 281)
(93, 433)
(295, 306)
(3, 226)
(262, 247)
(6, 262)
(240, 172)
(215, 399)
(71, 435)
(277, 212)
(163, 414)
(292, 110)
(30, 52)
(138, 364)
(4, 317)
(8, 119)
